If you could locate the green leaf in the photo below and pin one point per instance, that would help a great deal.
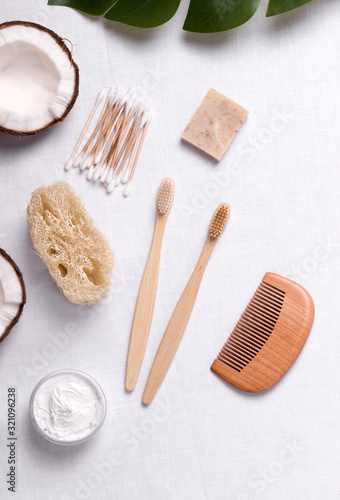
(143, 13)
(139, 13)
(211, 16)
(204, 16)
(276, 7)
(92, 7)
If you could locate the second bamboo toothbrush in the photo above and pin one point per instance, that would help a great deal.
(181, 315)
(147, 293)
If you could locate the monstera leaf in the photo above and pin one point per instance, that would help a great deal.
(280, 6)
(139, 13)
(218, 15)
(204, 16)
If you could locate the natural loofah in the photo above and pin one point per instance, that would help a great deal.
(64, 235)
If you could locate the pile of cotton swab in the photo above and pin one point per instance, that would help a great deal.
(111, 153)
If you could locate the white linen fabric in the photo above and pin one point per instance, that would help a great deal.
(199, 439)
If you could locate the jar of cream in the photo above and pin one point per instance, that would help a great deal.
(67, 407)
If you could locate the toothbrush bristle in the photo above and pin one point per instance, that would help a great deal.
(219, 221)
(165, 196)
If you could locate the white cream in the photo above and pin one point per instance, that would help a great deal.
(68, 407)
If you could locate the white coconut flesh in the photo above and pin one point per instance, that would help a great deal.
(12, 295)
(37, 79)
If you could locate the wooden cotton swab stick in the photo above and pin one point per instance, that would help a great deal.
(105, 162)
(130, 146)
(107, 176)
(112, 136)
(145, 126)
(101, 128)
(99, 99)
(116, 180)
(105, 127)
(130, 110)
(128, 101)
(127, 147)
(82, 155)
(116, 103)
(126, 173)
(144, 117)
(99, 172)
(107, 133)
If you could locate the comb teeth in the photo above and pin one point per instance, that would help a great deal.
(165, 196)
(219, 221)
(253, 328)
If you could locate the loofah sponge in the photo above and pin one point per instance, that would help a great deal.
(64, 235)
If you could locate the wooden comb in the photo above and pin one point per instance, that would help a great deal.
(268, 337)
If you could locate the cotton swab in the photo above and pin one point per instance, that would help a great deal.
(111, 152)
(145, 126)
(128, 144)
(99, 99)
(81, 157)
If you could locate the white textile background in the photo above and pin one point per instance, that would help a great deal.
(200, 439)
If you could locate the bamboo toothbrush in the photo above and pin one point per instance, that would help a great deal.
(147, 293)
(181, 315)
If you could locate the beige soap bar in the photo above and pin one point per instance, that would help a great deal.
(214, 125)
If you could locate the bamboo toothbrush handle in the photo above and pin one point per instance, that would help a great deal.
(176, 327)
(144, 309)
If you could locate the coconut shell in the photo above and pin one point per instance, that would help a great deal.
(23, 301)
(61, 43)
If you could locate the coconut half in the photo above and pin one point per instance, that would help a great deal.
(12, 294)
(39, 81)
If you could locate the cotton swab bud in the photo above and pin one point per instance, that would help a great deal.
(78, 160)
(123, 100)
(109, 177)
(89, 161)
(90, 173)
(112, 91)
(84, 163)
(68, 164)
(140, 107)
(111, 186)
(118, 178)
(101, 96)
(147, 105)
(98, 157)
(104, 173)
(127, 189)
(129, 104)
(98, 171)
(125, 176)
(145, 119)
(117, 96)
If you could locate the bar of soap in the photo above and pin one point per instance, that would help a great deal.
(214, 125)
